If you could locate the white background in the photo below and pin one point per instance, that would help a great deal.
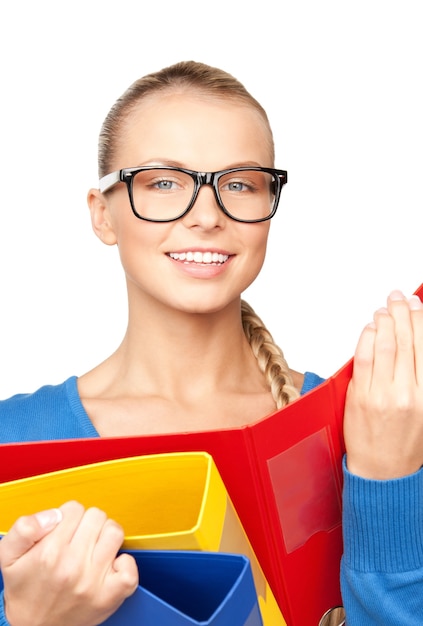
(342, 84)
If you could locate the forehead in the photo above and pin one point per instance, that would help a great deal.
(196, 131)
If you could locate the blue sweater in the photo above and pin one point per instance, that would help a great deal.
(382, 565)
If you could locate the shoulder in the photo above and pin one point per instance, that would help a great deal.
(48, 395)
(310, 381)
(51, 412)
(305, 382)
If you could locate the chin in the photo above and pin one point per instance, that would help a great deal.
(207, 307)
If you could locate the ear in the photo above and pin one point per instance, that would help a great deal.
(100, 217)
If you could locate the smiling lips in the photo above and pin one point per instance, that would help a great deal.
(204, 258)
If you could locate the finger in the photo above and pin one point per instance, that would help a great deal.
(364, 356)
(87, 533)
(404, 358)
(384, 349)
(25, 533)
(72, 513)
(125, 568)
(416, 312)
(109, 542)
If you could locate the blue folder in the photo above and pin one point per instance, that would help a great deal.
(189, 588)
(181, 588)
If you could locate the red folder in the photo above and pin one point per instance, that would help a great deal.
(283, 474)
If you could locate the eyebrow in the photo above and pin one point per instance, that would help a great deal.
(157, 162)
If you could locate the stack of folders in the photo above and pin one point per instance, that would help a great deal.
(196, 563)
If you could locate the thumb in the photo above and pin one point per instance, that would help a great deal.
(25, 533)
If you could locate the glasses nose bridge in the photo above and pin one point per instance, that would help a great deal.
(208, 178)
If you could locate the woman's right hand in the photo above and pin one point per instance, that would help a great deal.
(61, 567)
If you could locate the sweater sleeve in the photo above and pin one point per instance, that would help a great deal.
(382, 565)
(3, 620)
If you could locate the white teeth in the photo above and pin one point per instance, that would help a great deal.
(205, 258)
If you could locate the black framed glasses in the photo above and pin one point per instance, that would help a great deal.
(165, 194)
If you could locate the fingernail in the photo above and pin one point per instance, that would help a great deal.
(396, 295)
(415, 303)
(49, 518)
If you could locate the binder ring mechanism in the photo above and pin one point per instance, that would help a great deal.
(333, 617)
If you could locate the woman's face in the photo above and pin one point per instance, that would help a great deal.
(175, 263)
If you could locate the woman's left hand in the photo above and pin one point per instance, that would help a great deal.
(383, 424)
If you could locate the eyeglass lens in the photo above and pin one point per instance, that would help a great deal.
(163, 194)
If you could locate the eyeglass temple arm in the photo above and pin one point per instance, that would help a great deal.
(109, 180)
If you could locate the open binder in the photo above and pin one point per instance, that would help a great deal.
(283, 475)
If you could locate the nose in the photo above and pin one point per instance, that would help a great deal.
(206, 212)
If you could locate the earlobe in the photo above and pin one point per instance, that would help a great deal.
(100, 217)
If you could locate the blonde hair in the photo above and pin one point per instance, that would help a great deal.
(270, 358)
(184, 77)
(203, 80)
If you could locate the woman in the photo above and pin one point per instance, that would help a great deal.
(191, 218)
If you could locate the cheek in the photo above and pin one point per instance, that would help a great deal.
(130, 231)
(256, 241)
(256, 236)
(135, 242)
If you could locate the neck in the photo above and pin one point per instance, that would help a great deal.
(181, 354)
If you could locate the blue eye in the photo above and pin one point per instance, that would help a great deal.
(236, 186)
(165, 185)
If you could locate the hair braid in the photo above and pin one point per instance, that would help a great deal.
(269, 356)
